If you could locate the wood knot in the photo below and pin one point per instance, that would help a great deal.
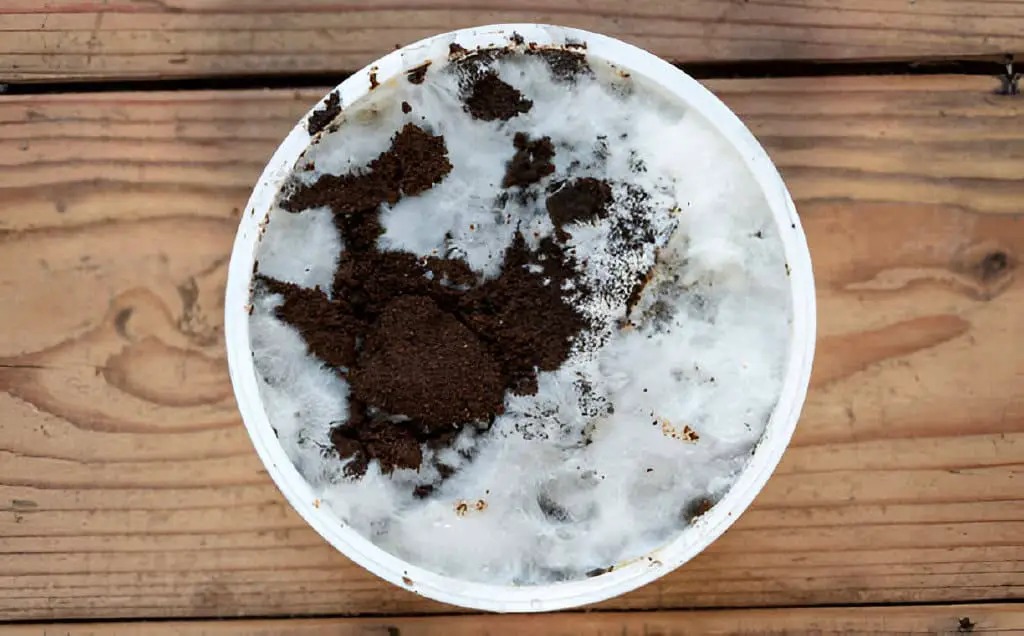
(985, 269)
(992, 265)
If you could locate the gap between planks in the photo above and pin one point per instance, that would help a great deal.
(1001, 67)
(1002, 618)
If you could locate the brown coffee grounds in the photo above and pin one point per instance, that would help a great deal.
(365, 437)
(523, 316)
(580, 200)
(489, 98)
(360, 229)
(327, 326)
(418, 74)
(452, 271)
(415, 161)
(320, 118)
(406, 108)
(531, 163)
(565, 66)
(425, 345)
(697, 509)
(421, 362)
(369, 280)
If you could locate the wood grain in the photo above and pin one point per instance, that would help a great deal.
(71, 39)
(128, 487)
(958, 619)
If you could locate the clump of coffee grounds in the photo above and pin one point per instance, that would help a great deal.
(324, 116)
(489, 98)
(414, 163)
(425, 345)
(523, 318)
(581, 200)
(531, 162)
(367, 436)
(565, 65)
(421, 362)
(328, 326)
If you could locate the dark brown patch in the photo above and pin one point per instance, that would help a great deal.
(373, 80)
(599, 571)
(327, 326)
(366, 437)
(525, 321)
(489, 98)
(697, 509)
(531, 162)
(992, 265)
(453, 271)
(406, 108)
(578, 201)
(456, 50)
(320, 118)
(415, 161)
(565, 66)
(421, 362)
(417, 74)
(121, 322)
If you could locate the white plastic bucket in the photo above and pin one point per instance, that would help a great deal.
(625, 577)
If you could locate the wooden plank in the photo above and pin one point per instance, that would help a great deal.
(70, 39)
(128, 487)
(956, 619)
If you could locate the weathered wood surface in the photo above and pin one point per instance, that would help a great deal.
(70, 39)
(959, 619)
(128, 487)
